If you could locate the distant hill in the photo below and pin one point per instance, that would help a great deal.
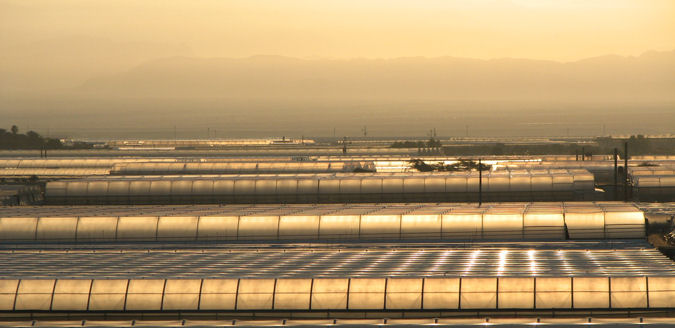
(649, 77)
(265, 96)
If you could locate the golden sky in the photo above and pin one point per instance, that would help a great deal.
(563, 30)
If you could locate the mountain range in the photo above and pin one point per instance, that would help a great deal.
(273, 95)
(648, 77)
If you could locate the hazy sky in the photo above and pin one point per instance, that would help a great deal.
(90, 60)
(540, 29)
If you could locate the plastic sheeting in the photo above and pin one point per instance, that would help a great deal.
(325, 188)
(207, 142)
(54, 172)
(640, 171)
(324, 222)
(73, 163)
(654, 181)
(337, 260)
(238, 167)
(338, 294)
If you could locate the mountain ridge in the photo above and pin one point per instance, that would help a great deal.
(650, 75)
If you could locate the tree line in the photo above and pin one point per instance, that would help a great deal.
(12, 139)
(431, 143)
(637, 145)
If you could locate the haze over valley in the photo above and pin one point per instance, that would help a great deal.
(255, 69)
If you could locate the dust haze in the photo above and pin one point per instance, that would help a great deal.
(256, 69)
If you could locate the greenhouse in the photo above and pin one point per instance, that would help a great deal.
(53, 172)
(248, 151)
(345, 278)
(337, 294)
(640, 171)
(650, 188)
(517, 185)
(211, 167)
(548, 221)
(77, 162)
(207, 143)
(654, 181)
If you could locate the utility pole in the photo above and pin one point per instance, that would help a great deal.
(625, 171)
(480, 183)
(344, 145)
(583, 154)
(616, 173)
